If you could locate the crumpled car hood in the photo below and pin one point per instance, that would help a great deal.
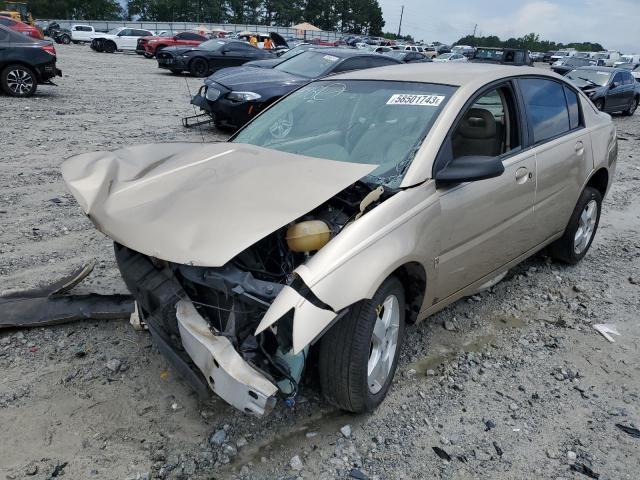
(201, 204)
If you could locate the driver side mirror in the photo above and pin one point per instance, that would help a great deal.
(470, 169)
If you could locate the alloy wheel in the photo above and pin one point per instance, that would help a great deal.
(20, 82)
(586, 227)
(384, 343)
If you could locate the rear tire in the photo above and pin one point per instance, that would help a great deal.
(109, 47)
(632, 108)
(581, 229)
(349, 350)
(18, 81)
(198, 67)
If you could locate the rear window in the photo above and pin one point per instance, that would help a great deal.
(546, 108)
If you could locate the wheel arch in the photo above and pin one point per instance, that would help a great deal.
(599, 180)
(413, 277)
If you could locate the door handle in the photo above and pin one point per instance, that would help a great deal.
(523, 174)
(579, 148)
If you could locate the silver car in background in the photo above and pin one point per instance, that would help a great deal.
(350, 208)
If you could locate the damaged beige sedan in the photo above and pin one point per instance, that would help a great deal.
(352, 207)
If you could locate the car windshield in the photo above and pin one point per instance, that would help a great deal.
(445, 56)
(602, 56)
(589, 77)
(309, 64)
(114, 31)
(212, 45)
(370, 122)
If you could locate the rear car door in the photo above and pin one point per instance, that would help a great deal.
(562, 148)
(486, 223)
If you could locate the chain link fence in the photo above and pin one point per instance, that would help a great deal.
(103, 25)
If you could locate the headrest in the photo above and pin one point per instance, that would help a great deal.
(477, 123)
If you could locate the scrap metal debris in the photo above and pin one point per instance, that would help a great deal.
(605, 329)
(442, 454)
(634, 432)
(583, 469)
(51, 305)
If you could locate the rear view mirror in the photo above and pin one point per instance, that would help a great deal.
(470, 169)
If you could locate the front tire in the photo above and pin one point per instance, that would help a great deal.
(110, 47)
(18, 81)
(198, 67)
(359, 354)
(632, 108)
(581, 229)
(66, 39)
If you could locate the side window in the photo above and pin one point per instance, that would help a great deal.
(617, 79)
(574, 109)
(628, 78)
(141, 33)
(125, 33)
(489, 128)
(189, 36)
(355, 63)
(546, 108)
(382, 62)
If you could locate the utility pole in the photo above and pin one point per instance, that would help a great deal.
(400, 26)
(474, 30)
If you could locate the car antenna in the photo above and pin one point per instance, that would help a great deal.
(194, 108)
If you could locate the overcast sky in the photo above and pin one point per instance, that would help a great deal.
(613, 23)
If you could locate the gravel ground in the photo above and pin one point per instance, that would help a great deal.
(512, 383)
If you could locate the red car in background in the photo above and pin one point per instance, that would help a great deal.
(149, 46)
(21, 27)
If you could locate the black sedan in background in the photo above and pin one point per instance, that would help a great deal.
(610, 89)
(408, 56)
(272, 62)
(562, 67)
(24, 63)
(209, 56)
(235, 95)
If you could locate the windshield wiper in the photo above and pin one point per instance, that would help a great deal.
(589, 81)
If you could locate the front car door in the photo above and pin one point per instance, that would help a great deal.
(486, 223)
(562, 148)
(617, 96)
(126, 40)
(4, 45)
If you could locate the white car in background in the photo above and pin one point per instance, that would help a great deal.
(627, 59)
(122, 38)
(450, 57)
(82, 33)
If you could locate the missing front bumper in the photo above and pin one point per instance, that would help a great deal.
(228, 375)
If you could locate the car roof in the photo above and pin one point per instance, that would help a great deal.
(601, 69)
(456, 74)
(348, 52)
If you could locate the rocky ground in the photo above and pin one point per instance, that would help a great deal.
(512, 383)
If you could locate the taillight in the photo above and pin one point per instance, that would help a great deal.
(49, 49)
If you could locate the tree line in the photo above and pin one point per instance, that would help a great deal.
(531, 41)
(349, 16)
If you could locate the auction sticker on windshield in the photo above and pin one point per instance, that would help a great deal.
(424, 100)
